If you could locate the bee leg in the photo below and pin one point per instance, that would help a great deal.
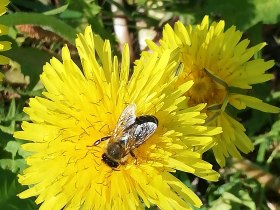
(115, 169)
(133, 155)
(100, 140)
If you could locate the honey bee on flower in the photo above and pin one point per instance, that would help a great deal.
(129, 133)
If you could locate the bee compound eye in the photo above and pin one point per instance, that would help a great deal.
(109, 162)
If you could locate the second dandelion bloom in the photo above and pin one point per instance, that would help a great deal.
(75, 163)
(222, 67)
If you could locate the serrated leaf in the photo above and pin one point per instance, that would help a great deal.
(13, 165)
(9, 119)
(54, 24)
(244, 13)
(231, 197)
(31, 61)
(8, 129)
(229, 201)
(15, 148)
(219, 204)
(247, 200)
(12, 147)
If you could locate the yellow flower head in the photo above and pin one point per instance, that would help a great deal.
(222, 67)
(4, 45)
(68, 169)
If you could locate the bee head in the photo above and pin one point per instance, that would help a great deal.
(109, 161)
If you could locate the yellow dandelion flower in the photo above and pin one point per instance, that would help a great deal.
(222, 68)
(83, 159)
(4, 45)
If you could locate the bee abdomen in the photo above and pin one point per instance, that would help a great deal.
(145, 119)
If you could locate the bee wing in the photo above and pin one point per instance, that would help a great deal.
(126, 119)
(139, 135)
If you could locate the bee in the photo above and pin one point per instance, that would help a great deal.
(129, 133)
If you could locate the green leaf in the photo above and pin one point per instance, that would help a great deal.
(270, 136)
(229, 201)
(14, 166)
(89, 8)
(12, 110)
(31, 61)
(8, 129)
(261, 152)
(247, 200)
(71, 14)
(231, 197)
(56, 10)
(12, 147)
(244, 13)
(275, 130)
(221, 205)
(4, 138)
(31, 5)
(9, 119)
(54, 24)
(9, 188)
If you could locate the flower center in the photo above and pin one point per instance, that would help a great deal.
(205, 89)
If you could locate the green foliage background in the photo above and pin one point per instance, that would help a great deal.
(58, 22)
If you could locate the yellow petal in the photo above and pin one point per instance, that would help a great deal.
(241, 101)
